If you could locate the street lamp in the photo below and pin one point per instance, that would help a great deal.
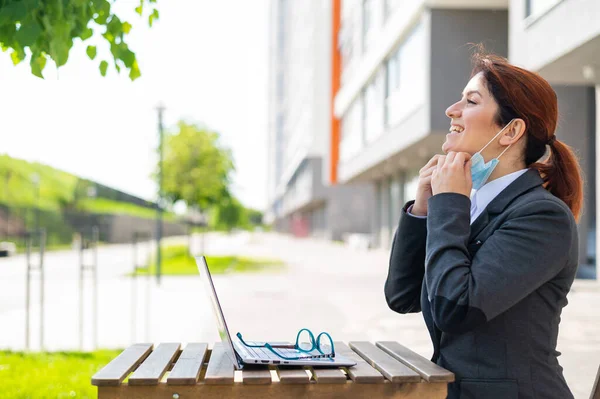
(35, 179)
(159, 225)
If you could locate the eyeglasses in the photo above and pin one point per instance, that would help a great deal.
(311, 349)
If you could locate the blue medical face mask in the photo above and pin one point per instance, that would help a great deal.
(481, 171)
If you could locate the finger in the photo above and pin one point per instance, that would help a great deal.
(439, 165)
(450, 158)
(460, 159)
(427, 172)
(431, 162)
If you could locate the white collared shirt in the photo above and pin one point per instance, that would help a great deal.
(481, 198)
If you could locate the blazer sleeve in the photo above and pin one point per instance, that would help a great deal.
(527, 250)
(407, 264)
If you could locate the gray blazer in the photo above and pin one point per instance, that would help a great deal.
(492, 292)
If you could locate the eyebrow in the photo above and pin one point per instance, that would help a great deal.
(472, 92)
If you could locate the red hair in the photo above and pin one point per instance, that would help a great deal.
(523, 94)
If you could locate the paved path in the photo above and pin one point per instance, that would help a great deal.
(326, 286)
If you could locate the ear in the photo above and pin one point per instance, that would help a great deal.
(514, 132)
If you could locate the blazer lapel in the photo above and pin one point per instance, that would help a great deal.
(525, 182)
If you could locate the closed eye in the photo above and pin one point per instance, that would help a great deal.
(471, 102)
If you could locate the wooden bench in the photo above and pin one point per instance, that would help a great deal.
(384, 370)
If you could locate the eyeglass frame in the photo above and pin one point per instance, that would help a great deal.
(315, 344)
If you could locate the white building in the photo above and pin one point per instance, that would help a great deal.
(299, 127)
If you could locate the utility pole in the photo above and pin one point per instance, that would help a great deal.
(159, 224)
(35, 178)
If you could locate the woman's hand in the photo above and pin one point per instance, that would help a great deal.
(453, 175)
(424, 186)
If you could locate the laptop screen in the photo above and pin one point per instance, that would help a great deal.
(209, 288)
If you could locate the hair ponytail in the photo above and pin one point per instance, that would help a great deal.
(562, 176)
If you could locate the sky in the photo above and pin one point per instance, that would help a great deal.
(205, 60)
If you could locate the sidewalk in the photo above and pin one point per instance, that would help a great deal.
(326, 287)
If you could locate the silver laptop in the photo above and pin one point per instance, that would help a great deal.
(241, 354)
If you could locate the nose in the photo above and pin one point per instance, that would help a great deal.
(454, 111)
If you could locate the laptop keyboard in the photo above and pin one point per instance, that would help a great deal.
(266, 354)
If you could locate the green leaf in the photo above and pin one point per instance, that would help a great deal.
(123, 53)
(139, 9)
(37, 65)
(126, 27)
(134, 71)
(103, 68)
(61, 42)
(28, 33)
(91, 52)
(153, 17)
(86, 34)
(15, 11)
(103, 11)
(16, 57)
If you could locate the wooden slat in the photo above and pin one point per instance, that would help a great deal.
(259, 376)
(362, 373)
(430, 371)
(220, 368)
(329, 376)
(392, 369)
(292, 376)
(115, 372)
(155, 366)
(187, 369)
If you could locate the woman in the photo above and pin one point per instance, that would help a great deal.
(491, 273)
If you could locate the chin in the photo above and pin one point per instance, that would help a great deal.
(449, 146)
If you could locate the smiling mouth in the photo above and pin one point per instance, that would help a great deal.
(456, 129)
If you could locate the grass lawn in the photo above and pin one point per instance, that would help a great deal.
(51, 375)
(177, 261)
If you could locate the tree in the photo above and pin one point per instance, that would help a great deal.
(230, 213)
(196, 168)
(255, 217)
(47, 28)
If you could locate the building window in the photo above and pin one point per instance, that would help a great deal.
(374, 107)
(406, 78)
(538, 7)
(395, 202)
(390, 7)
(367, 22)
(392, 82)
(345, 43)
(410, 186)
(352, 135)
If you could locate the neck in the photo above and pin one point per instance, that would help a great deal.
(505, 167)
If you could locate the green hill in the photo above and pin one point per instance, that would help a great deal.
(59, 190)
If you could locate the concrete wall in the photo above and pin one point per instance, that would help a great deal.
(349, 209)
(538, 41)
(451, 31)
(576, 107)
(120, 228)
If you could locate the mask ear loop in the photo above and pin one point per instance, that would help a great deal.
(497, 134)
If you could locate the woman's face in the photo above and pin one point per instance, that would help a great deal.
(472, 123)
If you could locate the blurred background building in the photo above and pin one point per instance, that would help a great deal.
(301, 201)
(359, 90)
